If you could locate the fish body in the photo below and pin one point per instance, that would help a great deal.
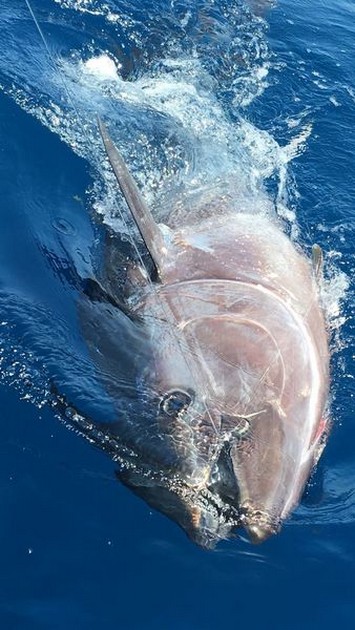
(238, 369)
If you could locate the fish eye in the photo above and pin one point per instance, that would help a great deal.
(175, 402)
(242, 427)
(237, 426)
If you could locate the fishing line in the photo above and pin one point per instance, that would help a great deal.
(56, 67)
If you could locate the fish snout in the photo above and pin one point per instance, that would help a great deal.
(259, 524)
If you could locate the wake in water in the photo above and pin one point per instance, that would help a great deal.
(176, 86)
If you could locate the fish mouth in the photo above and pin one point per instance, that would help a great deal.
(213, 518)
(258, 524)
(205, 516)
(220, 522)
(208, 513)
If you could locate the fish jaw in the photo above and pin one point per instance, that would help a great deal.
(204, 517)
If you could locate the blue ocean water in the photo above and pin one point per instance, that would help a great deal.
(259, 91)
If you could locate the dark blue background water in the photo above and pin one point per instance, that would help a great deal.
(77, 549)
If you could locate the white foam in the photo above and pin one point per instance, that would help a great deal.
(297, 144)
(102, 67)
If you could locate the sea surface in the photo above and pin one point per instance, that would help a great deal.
(260, 93)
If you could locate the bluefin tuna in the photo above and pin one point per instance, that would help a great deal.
(233, 353)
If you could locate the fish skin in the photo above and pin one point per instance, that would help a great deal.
(238, 371)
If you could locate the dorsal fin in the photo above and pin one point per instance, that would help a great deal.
(317, 261)
(143, 218)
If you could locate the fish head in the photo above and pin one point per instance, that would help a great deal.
(239, 398)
